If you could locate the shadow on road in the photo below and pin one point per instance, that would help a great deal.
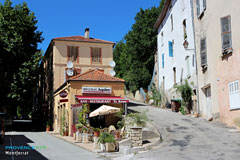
(132, 104)
(13, 143)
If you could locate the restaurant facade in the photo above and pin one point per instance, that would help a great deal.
(93, 88)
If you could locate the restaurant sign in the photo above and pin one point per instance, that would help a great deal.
(63, 94)
(97, 90)
(103, 101)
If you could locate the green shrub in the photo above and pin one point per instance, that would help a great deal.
(186, 93)
(138, 119)
(81, 116)
(156, 95)
(106, 137)
(181, 109)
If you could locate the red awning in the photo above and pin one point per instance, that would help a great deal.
(109, 99)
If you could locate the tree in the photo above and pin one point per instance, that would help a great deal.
(19, 54)
(134, 55)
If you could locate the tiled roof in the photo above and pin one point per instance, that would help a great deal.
(162, 14)
(96, 75)
(82, 39)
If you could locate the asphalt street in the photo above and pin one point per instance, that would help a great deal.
(189, 138)
(46, 147)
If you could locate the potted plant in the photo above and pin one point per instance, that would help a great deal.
(48, 126)
(107, 142)
(85, 129)
(66, 131)
(96, 132)
(85, 134)
(101, 140)
(117, 134)
(79, 127)
(110, 142)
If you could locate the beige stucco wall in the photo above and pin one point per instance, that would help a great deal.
(228, 70)
(204, 27)
(219, 71)
(60, 58)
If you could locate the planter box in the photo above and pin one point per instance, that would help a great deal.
(102, 147)
(110, 147)
(85, 138)
(95, 141)
(79, 137)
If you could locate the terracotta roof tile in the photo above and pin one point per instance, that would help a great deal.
(96, 75)
(82, 39)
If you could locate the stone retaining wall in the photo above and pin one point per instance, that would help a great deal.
(136, 137)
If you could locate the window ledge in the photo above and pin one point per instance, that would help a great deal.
(204, 67)
(226, 53)
(234, 108)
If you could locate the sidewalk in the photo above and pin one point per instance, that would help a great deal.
(152, 138)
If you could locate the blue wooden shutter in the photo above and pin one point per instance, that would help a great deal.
(170, 49)
(163, 60)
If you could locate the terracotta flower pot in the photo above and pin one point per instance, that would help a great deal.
(65, 133)
(48, 128)
(117, 134)
(96, 134)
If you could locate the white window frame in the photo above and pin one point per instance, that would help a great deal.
(201, 7)
(234, 95)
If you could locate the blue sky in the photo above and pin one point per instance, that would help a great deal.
(107, 19)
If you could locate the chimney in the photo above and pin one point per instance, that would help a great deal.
(86, 33)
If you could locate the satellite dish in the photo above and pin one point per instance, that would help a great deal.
(113, 73)
(69, 72)
(112, 64)
(69, 64)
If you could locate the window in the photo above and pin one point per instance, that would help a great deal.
(184, 29)
(193, 60)
(170, 47)
(163, 60)
(174, 75)
(201, 6)
(162, 38)
(96, 55)
(58, 116)
(226, 35)
(234, 95)
(187, 66)
(203, 52)
(72, 53)
(171, 23)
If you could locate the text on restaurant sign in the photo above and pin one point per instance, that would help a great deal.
(97, 90)
(102, 101)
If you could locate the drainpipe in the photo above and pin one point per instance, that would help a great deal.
(195, 57)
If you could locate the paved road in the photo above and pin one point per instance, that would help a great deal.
(52, 147)
(188, 138)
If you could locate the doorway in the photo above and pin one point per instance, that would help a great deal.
(208, 102)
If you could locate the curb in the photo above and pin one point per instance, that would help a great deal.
(53, 134)
(146, 148)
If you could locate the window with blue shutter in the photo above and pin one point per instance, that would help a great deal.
(163, 60)
(170, 46)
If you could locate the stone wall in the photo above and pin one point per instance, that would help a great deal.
(136, 137)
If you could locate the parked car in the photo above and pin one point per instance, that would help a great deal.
(2, 128)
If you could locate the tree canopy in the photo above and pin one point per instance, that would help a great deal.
(134, 54)
(19, 55)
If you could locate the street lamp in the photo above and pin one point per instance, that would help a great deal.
(185, 44)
